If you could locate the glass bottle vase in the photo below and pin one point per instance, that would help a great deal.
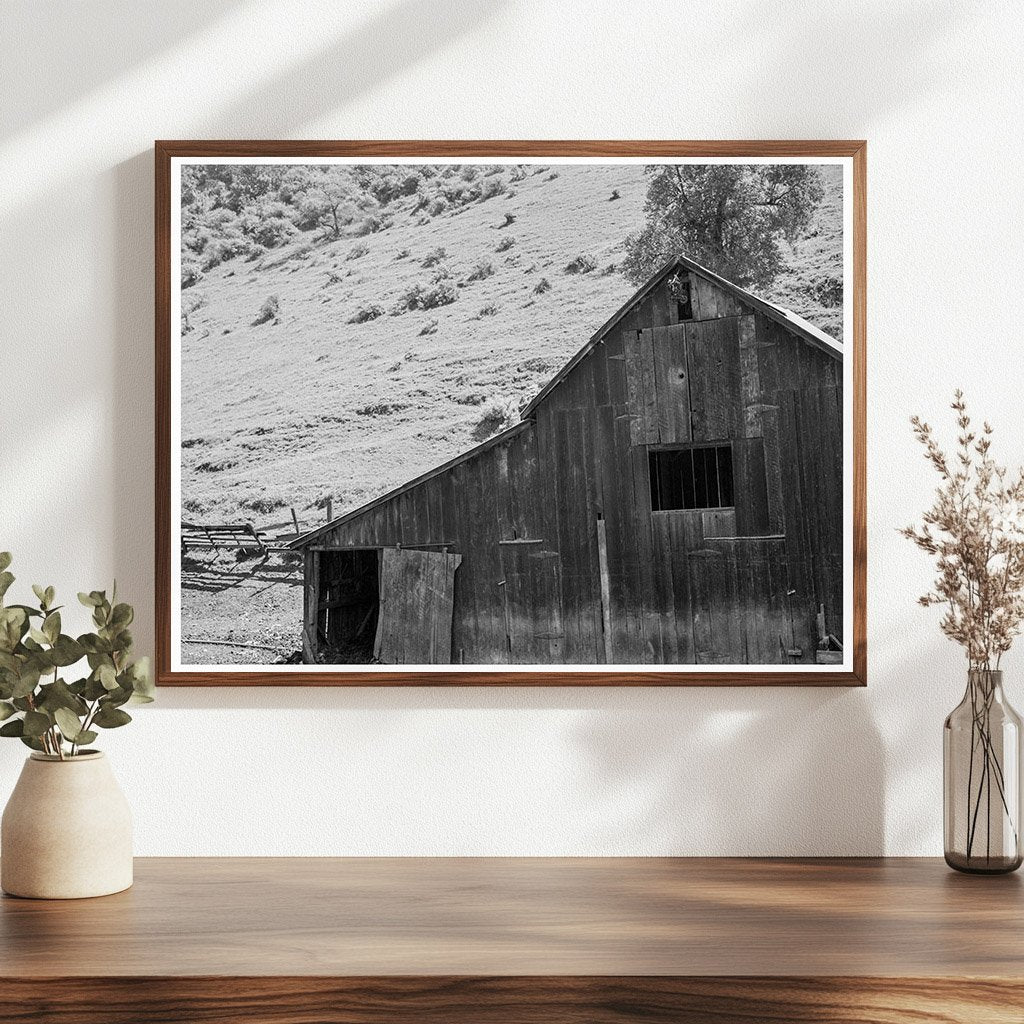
(981, 770)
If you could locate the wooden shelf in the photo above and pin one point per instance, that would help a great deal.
(282, 941)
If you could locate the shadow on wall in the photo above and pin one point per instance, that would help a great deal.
(116, 34)
(698, 771)
(814, 53)
(739, 770)
(395, 38)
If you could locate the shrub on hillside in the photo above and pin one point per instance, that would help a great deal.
(582, 264)
(828, 291)
(434, 257)
(490, 188)
(263, 506)
(489, 310)
(269, 224)
(480, 272)
(429, 328)
(496, 415)
(421, 296)
(190, 305)
(191, 271)
(268, 311)
(505, 244)
(358, 251)
(365, 313)
(542, 286)
(372, 224)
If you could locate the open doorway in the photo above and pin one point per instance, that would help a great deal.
(350, 599)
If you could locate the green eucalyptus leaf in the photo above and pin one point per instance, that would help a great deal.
(13, 626)
(124, 640)
(94, 689)
(66, 651)
(59, 695)
(6, 710)
(36, 723)
(86, 736)
(22, 703)
(94, 644)
(27, 682)
(68, 722)
(30, 612)
(50, 595)
(107, 676)
(6, 579)
(110, 717)
(38, 636)
(5, 560)
(122, 615)
(51, 626)
(89, 600)
(16, 727)
(40, 593)
(9, 663)
(115, 698)
(35, 744)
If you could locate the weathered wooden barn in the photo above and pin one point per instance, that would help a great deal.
(672, 496)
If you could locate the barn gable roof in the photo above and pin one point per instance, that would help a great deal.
(787, 318)
(818, 338)
(491, 442)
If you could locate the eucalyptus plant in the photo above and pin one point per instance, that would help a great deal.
(37, 704)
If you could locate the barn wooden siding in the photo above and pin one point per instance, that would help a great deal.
(531, 512)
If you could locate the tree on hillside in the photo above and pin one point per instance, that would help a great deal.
(328, 195)
(728, 217)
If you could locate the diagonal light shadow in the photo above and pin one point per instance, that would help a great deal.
(116, 35)
(396, 38)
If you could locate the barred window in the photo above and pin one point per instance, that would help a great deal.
(692, 477)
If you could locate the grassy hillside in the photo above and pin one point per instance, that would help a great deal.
(303, 378)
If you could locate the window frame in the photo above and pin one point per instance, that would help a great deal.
(690, 446)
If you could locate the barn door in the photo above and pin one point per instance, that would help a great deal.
(414, 625)
(533, 603)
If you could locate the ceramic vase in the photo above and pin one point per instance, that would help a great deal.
(66, 831)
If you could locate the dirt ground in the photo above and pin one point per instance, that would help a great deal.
(250, 602)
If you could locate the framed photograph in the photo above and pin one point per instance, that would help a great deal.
(510, 413)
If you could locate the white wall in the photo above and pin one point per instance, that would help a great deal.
(937, 89)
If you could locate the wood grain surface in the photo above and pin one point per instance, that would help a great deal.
(284, 941)
(166, 150)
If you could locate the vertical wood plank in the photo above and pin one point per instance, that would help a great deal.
(606, 590)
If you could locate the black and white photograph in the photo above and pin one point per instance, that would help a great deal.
(518, 413)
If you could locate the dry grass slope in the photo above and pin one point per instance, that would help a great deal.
(314, 371)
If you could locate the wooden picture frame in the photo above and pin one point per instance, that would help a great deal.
(738, 305)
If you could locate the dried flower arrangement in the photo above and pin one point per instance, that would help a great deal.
(975, 530)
